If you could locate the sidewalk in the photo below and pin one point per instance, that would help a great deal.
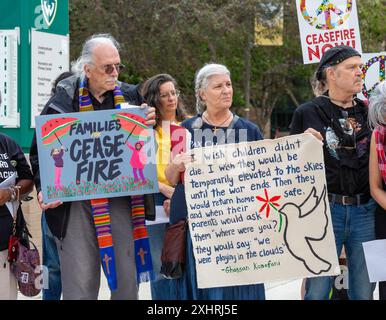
(283, 290)
(287, 290)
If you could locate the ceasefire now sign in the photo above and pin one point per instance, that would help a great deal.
(324, 24)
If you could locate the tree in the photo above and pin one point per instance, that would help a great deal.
(372, 14)
(178, 37)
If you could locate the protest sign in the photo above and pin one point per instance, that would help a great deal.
(373, 72)
(259, 212)
(324, 24)
(375, 255)
(97, 154)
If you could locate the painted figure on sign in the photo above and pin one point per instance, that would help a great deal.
(57, 155)
(138, 160)
(300, 234)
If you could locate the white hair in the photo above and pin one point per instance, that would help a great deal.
(89, 45)
(377, 106)
(202, 79)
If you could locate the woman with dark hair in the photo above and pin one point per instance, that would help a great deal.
(160, 92)
(62, 76)
(52, 290)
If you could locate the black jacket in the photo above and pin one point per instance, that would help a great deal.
(347, 170)
(65, 100)
(12, 160)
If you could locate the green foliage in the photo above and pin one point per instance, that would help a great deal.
(372, 17)
(179, 37)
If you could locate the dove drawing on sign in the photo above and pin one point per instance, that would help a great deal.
(306, 224)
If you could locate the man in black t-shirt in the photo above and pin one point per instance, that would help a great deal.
(339, 119)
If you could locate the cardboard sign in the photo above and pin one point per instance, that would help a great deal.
(97, 154)
(259, 212)
(324, 24)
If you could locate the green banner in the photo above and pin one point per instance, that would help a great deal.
(20, 21)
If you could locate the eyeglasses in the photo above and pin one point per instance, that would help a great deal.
(109, 68)
(171, 93)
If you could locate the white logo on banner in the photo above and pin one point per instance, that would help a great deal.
(49, 10)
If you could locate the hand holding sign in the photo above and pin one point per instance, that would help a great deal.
(181, 160)
(49, 205)
(315, 133)
(150, 114)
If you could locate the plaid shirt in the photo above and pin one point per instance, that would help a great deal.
(380, 140)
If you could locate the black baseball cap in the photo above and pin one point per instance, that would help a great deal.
(334, 56)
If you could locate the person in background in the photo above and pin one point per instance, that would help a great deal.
(138, 160)
(53, 289)
(12, 161)
(214, 124)
(339, 119)
(161, 92)
(377, 167)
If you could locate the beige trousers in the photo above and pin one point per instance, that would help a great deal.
(8, 284)
(80, 258)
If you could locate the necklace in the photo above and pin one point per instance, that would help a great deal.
(217, 126)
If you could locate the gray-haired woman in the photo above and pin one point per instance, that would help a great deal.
(214, 124)
(377, 164)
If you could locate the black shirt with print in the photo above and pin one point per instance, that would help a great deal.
(11, 159)
(346, 161)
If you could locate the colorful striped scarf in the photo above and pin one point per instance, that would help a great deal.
(380, 142)
(101, 214)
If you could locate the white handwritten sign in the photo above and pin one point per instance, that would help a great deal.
(259, 212)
